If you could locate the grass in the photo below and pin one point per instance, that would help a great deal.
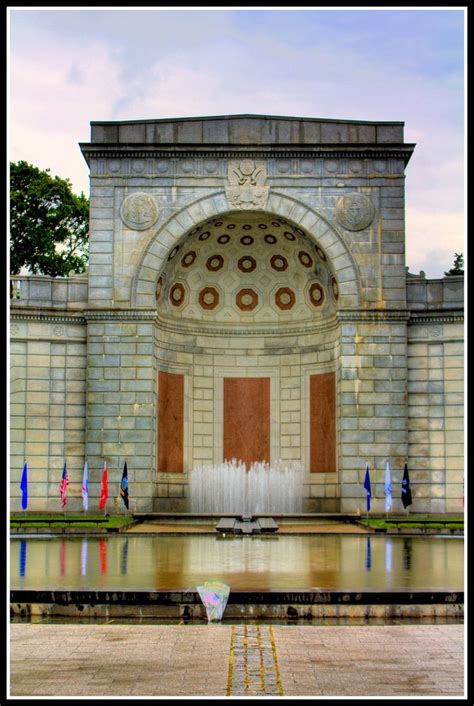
(451, 523)
(67, 520)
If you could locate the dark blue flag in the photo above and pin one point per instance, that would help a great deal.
(406, 490)
(367, 485)
(24, 487)
(124, 486)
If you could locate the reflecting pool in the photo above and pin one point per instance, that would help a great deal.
(339, 562)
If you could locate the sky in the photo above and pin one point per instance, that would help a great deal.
(70, 66)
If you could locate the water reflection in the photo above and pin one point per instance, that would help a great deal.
(407, 554)
(388, 554)
(84, 558)
(368, 555)
(22, 557)
(103, 556)
(344, 562)
(62, 557)
(124, 559)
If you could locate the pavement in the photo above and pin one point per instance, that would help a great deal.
(236, 660)
(162, 527)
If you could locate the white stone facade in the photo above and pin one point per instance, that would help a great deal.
(332, 296)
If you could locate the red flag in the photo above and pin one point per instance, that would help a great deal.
(104, 493)
(63, 486)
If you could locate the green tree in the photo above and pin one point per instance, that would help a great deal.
(49, 225)
(458, 265)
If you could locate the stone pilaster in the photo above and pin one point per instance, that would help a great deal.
(372, 399)
(121, 392)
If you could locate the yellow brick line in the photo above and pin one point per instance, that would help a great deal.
(262, 665)
(231, 663)
(275, 659)
(240, 640)
(246, 673)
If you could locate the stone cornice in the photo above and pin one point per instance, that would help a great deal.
(375, 315)
(436, 317)
(114, 151)
(281, 330)
(120, 314)
(49, 315)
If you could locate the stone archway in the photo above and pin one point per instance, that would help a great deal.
(246, 351)
(315, 226)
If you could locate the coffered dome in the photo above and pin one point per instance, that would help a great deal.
(247, 267)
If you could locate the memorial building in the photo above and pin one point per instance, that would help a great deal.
(247, 297)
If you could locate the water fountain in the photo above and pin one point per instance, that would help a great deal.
(262, 489)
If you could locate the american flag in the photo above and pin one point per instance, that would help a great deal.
(63, 486)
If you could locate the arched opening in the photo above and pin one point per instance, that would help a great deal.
(246, 349)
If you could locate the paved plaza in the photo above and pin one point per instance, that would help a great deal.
(249, 660)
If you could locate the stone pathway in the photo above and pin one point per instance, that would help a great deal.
(253, 663)
(236, 660)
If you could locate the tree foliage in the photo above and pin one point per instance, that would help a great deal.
(49, 224)
(458, 265)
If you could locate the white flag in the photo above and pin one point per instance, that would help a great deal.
(85, 487)
(388, 488)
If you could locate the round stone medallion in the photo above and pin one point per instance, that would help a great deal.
(139, 211)
(354, 211)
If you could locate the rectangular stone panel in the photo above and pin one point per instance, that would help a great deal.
(323, 423)
(247, 419)
(170, 422)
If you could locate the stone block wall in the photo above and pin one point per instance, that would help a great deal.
(436, 393)
(47, 408)
(121, 404)
(372, 406)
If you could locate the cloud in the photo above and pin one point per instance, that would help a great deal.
(432, 238)
(51, 103)
(73, 66)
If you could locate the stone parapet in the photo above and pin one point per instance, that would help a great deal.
(245, 130)
(42, 291)
(444, 294)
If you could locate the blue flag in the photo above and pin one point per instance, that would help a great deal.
(388, 488)
(124, 486)
(24, 487)
(367, 485)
